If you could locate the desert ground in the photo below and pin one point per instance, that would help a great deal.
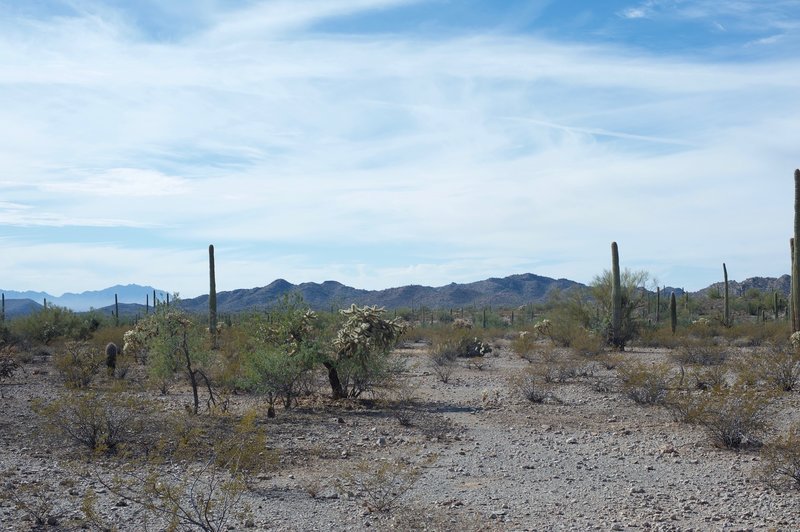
(468, 454)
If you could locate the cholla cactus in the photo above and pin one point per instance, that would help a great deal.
(794, 339)
(366, 331)
(542, 328)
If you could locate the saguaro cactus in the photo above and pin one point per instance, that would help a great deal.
(727, 317)
(116, 310)
(658, 304)
(795, 303)
(3, 307)
(212, 297)
(616, 300)
(775, 304)
(673, 312)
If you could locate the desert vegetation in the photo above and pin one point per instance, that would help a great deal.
(186, 429)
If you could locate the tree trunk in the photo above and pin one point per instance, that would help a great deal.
(333, 377)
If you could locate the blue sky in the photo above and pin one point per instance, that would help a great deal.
(389, 142)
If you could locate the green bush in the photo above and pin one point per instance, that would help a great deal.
(78, 362)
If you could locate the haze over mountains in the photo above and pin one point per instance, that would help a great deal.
(511, 291)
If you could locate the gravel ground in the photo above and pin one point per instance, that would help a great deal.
(485, 459)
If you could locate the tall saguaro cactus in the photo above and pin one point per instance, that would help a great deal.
(673, 312)
(116, 310)
(658, 304)
(795, 303)
(212, 297)
(616, 300)
(727, 317)
(3, 308)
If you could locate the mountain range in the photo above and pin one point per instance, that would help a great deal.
(511, 291)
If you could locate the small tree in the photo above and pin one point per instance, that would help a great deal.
(180, 343)
(360, 350)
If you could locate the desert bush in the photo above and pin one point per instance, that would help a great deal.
(781, 459)
(684, 405)
(382, 483)
(586, 343)
(442, 358)
(778, 366)
(528, 386)
(657, 336)
(644, 383)
(78, 362)
(274, 373)
(33, 498)
(709, 377)
(8, 364)
(101, 422)
(733, 417)
(51, 323)
(698, 351)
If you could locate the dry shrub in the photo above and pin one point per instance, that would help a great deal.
(531, 386)
(655, 336)
(101, 422)
(781, 459)
(778, 366)
(709, 377)
(34, 498)
(8, 364)
(733, 417)
(645, 384)
(698, 351)
(586, 343)
(380, 484)
(78, 362)
(442, 358)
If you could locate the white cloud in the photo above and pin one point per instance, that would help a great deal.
(127, 182)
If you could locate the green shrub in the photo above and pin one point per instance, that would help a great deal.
(78, 362)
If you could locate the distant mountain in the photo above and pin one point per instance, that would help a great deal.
(511, 291)
(131, 293)
(15, 308)
(514, 290)
(782, 285)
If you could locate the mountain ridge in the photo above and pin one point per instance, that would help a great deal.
(511, 291)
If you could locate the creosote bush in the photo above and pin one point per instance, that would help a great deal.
(8, 364)
(734, 416)
(382, 483)
(78, 362)
(778, 366)
(781, 458)
(531, 386)
(645, 383)
(101, 422)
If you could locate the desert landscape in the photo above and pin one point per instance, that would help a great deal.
(444, 423)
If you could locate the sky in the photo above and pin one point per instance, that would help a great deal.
(381, 143)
